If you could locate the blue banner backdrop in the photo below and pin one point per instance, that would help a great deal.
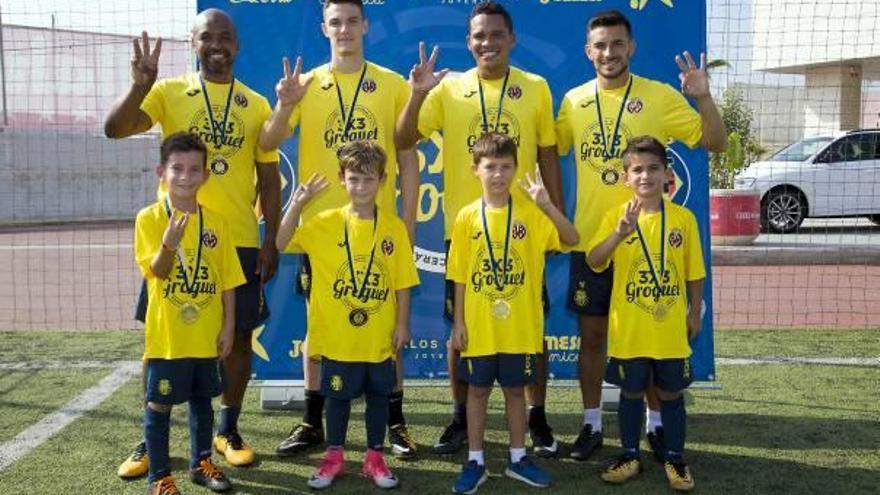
(550, 42)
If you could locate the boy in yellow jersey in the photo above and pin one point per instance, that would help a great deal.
(358, 314)
(654, 247)
(227, 116)
(187, 256)
(496, 261)
(491, 97)
(348, 99)
(627, 105)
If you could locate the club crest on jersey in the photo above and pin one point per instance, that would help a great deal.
(219, 165)
(514, 92)
(610, 176)
(209, 239)
(387, 246)
(369, 86)
(240, 99)
(518, 230)
(336, 383)
(634, 105)
(676, 238)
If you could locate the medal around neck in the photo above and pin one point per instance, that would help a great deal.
(359, 317)
(500, 307)
(189, 311)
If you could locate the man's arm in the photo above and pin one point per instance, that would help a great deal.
(538, 192)
(126, 117)
(269, 187)
(408, 161)
(695, 83)
(548, 164)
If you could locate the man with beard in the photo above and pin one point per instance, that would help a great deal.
(597, 119)
(227, 116)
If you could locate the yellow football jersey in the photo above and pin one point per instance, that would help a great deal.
(453, 108)
(645, 321)
(509, 319)
(651, 108)
(178, 104)
(352, 319)
(178, 324)
(381, 98)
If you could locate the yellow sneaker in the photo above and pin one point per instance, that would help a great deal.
(136, 465)
(679, 476)
(622, 469)
(234, 449)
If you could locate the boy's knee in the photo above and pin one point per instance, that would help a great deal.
(479, 392)
(161, 408)
(514, 392)
(632, 394)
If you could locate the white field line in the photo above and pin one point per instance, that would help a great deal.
(66, 247)
(830, 361)
(63, 365)
(51, 424)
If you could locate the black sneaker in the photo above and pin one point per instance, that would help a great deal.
(402, 444)
(210, 476)
(587, 442)
(544, 444)
(302, 437)
(452, 439)
(657, 441)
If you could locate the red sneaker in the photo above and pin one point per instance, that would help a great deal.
(375, 469)
(331, 467)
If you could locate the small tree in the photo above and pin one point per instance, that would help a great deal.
(743, 146)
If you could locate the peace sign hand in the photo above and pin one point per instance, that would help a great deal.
(535, 189)
(309, 189)
(174, 231)
(694, 80)
(145, 63)
(422, 77)
(292, 87)
(630, 219)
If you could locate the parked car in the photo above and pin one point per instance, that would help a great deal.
(822, 176)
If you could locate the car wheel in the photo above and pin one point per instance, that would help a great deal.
(875, 219)
(783, 210)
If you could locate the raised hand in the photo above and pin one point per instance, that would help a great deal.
(694, 80)
(535, 189)
(307, 190)
(174, 231)
(630, 219)
(145, 63)
(292, 86)
(422, 76)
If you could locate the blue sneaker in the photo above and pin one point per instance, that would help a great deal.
(472, 476)
(528, 472)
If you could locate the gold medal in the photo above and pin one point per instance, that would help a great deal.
(500, 309)
(659, 312)
(189, 313)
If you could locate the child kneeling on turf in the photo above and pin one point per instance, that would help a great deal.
(655, 248)
(358, 313)
(496, 260)
(188, 260)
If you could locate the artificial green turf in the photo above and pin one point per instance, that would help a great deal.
(769, 429)
(863, 343)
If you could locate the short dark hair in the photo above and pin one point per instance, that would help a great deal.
(647, 145)
(494, 145)
(608, 18)
(358, 3)
(489, 7)
(182, 142)
(365, 156)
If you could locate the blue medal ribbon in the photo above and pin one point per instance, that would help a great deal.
(647, 253)
(347, 119)
(189, 286)
(359, 292)
(606, 154)
(499, 284)
(218, 142)
(500, 103)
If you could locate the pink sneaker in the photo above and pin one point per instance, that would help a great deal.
(375, 469)
(331, 467)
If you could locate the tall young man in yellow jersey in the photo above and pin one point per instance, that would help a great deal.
(656, 303)
(347, 100)
(227, 115)
(496, 261)
(491, 97)
(627, 105)
(359, 310)
(187, 257)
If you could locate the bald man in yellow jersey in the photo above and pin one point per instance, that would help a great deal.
(347, 100)
(595, 121)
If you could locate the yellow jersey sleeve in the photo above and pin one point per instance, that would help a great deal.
(154, 103)
(304, 236)
(680, 120)
(457, 259)
(147, 239)
(431, 113)
(545, 126)
(606, 228)
(563, 127)
(405, 273)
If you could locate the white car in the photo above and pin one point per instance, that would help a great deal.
(823, 176)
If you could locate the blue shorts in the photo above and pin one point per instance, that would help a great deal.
(510, 370)
(589, 292)
(304, 276)
(637, 374)
(175, 381)
(250, 304)
(350, 380)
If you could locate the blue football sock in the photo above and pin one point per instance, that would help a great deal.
(338, 411)
(201, 427)
(228, 419)
(156, 429)
(376, 417)
(674, 417)
(629, 415)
